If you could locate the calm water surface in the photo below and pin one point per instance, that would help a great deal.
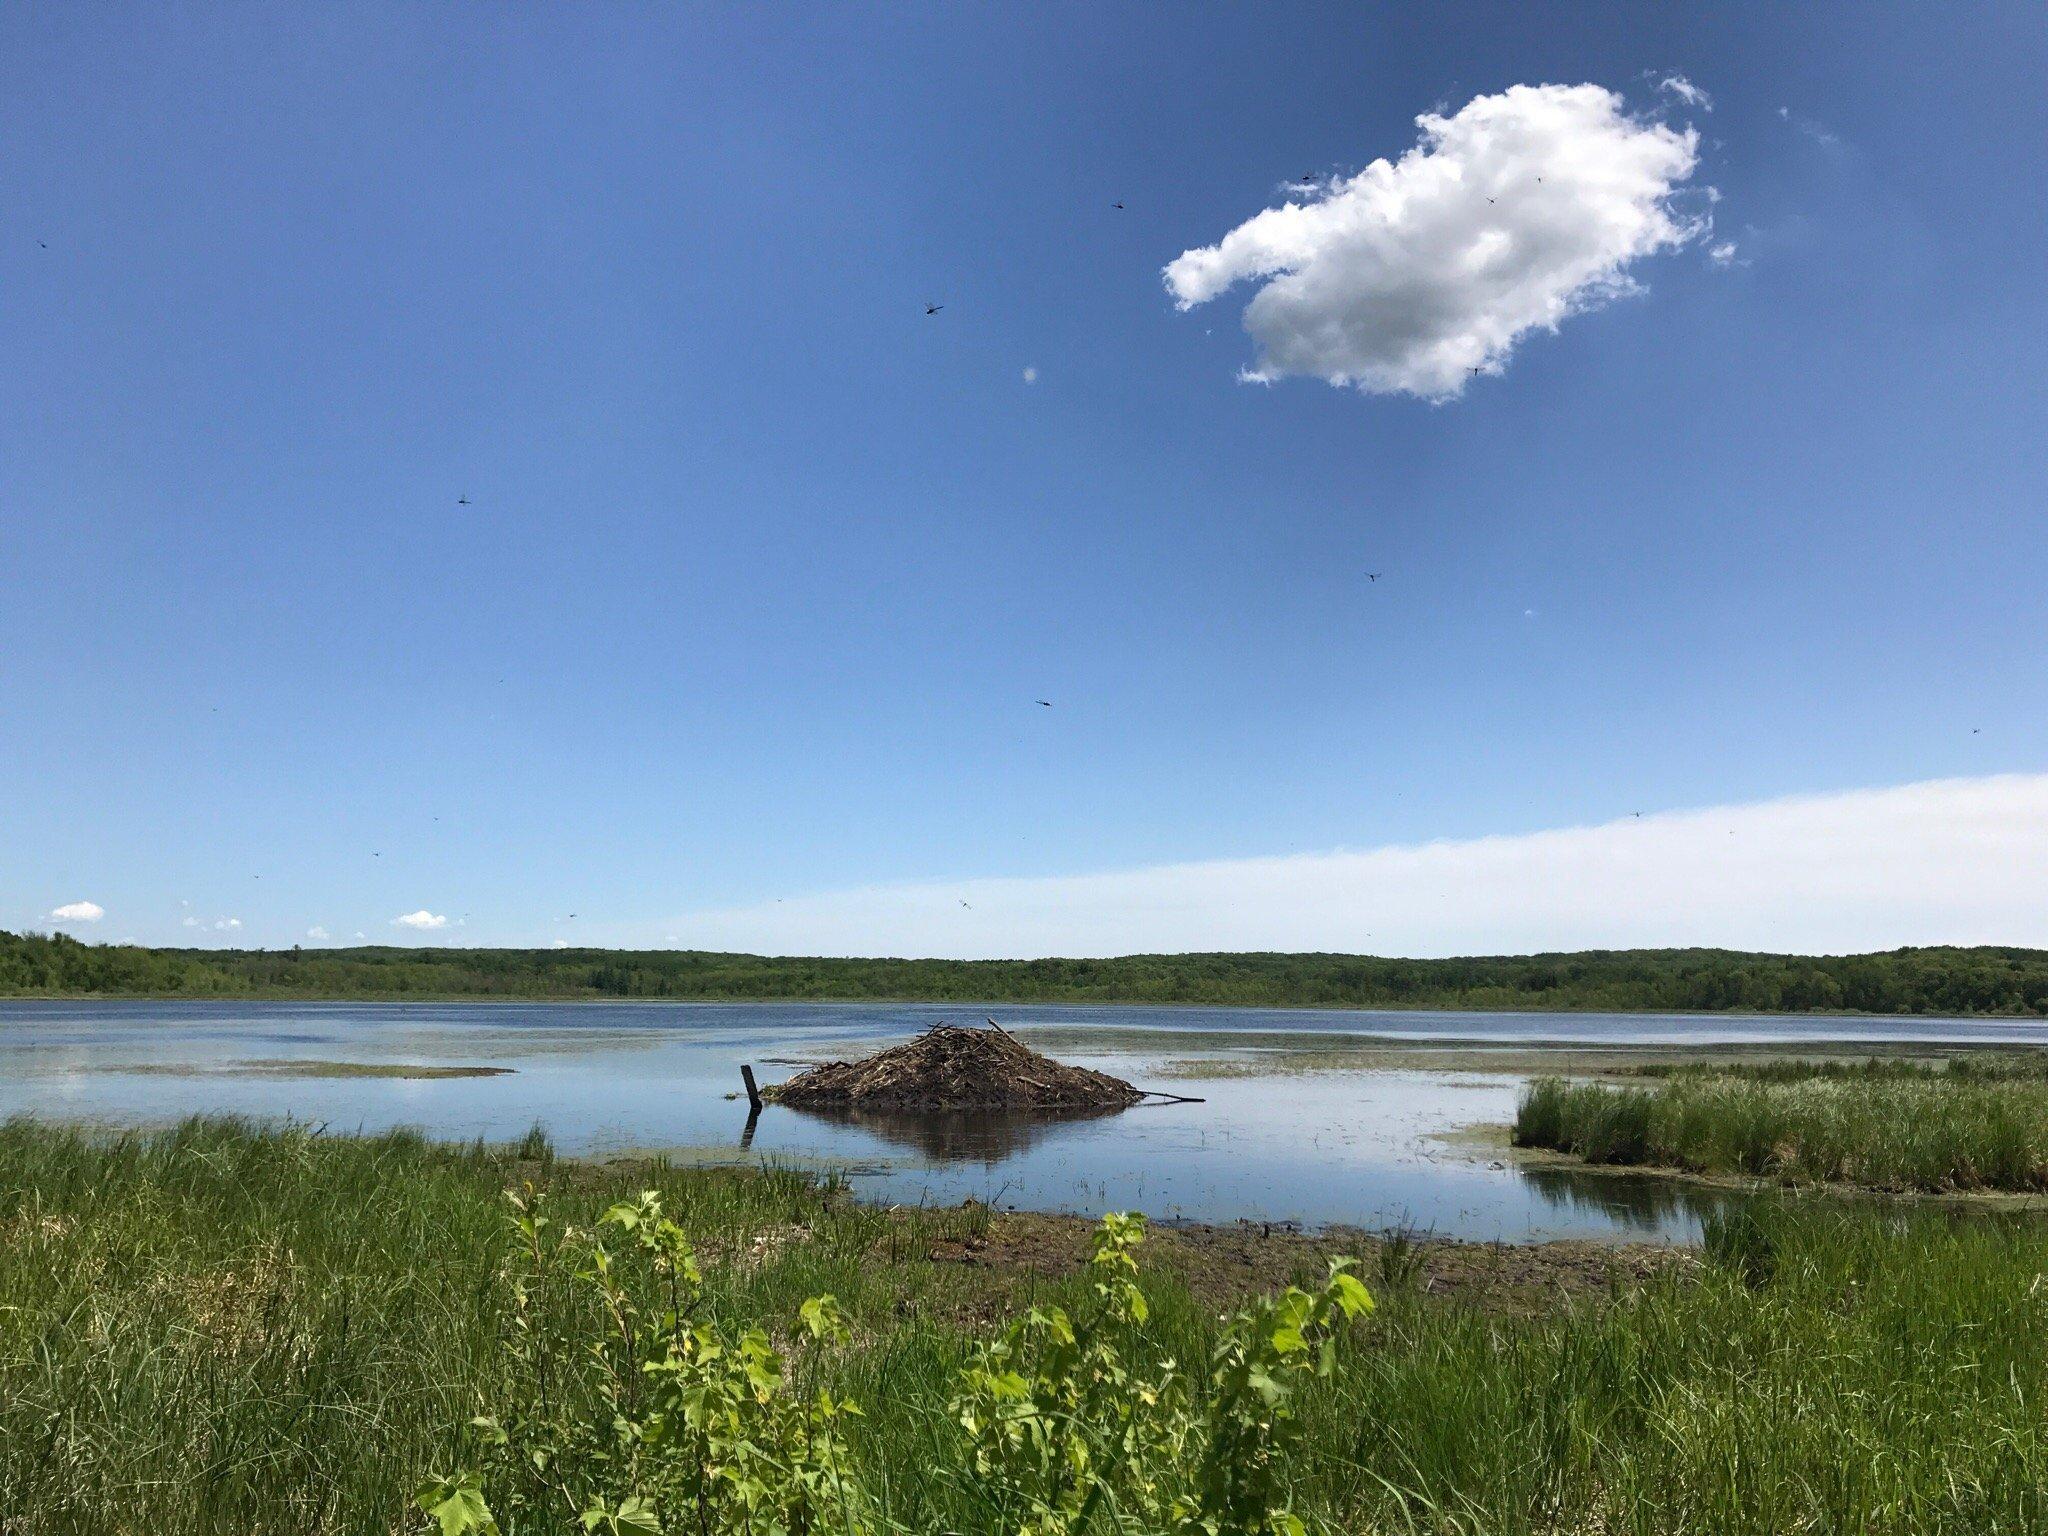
(1372, 1148)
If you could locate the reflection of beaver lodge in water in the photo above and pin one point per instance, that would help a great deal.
(950, 1068)
(960, 1135)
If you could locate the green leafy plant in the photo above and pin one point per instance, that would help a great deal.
(1070, 1434)
(664, 1421)
(1250, 1427)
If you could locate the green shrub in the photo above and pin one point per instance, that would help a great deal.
(655, 1418)
(679, 1422)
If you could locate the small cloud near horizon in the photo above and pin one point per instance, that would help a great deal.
(421, 920)
(317, 932)
(78, 912)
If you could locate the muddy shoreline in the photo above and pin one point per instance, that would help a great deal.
(1225, 1264)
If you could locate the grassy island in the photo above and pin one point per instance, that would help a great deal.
(1974, 1123)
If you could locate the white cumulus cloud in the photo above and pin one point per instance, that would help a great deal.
(318, 932)
(422, 919)
(78, 912)
(1510, 215)
(1947, 861)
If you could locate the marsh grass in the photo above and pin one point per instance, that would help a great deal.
(221, 1328)
(1996, 1065)
(1969, 1125)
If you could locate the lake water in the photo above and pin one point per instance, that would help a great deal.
(1293, 1127)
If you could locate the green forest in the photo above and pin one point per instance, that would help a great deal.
(1982, 980)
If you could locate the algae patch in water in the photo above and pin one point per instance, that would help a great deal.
(295, 1068)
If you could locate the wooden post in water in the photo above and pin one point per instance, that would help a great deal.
(753, 1093)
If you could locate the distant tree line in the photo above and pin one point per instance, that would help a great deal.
(1982, 980)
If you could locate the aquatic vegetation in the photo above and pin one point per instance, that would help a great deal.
(303, 1067)
(1974, 1125)
(1993, 1064)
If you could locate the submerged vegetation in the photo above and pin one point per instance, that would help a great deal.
(1971, 1124)
(219, 1328)
(1986, 980)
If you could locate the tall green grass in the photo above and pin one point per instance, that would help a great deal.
(219, 1328)
(1996, 1065)
(1888, 1126)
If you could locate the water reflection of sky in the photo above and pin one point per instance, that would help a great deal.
(1350, 1147)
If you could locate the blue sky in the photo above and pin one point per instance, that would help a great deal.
(763, 568)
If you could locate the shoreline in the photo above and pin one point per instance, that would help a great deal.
(1224, 1263)
(1235, 1257)
(1546, 1159)
(451, 999)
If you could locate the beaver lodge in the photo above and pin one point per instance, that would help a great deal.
(950, 1068)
